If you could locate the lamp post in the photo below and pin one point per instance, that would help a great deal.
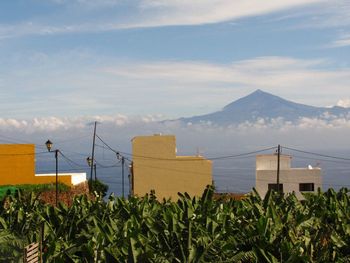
(89, 161)
(278, 167)
(123, 163)
(49, 146)
(130, 179)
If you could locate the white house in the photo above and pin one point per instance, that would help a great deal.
(291, 179)
(67, 178)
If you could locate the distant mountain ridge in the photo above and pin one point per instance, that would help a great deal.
(263, 105)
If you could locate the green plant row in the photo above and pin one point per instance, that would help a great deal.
(274, 229)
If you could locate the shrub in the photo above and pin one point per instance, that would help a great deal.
(99, 187)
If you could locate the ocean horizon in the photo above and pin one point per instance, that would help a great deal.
(236, 175)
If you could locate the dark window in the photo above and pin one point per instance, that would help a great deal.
(274, 187)
(306, 187)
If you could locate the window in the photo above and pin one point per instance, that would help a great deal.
(306, 187)
(274, 187)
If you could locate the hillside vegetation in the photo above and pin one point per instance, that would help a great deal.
(274, 229)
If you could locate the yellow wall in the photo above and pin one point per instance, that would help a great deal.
(17, 166)
(65, 179)
(156, 167)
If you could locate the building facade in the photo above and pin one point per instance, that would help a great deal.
(17, 166)
(296, 180)
(157, 167)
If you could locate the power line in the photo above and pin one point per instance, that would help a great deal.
(109, 147)
(70, 170)
(16, 140)
(317, 154)
(235, 156)
(72, 139)
(71, 161)
(101, 146)
(22, 154)
(241, 154)
(319, 159)
(77, 153)
(118, 153)
(107, 166)
(178, 159)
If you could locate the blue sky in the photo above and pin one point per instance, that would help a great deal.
(79, 58)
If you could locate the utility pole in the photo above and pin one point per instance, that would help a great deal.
(123, 162)
(49, 147)
(130, 179)
(95, 172)
(56, 157)
(93, 154)
(278, 167)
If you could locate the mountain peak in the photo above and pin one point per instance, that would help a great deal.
(263, 105)
(258, 91)
(254, 99)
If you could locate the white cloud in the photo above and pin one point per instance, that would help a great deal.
(88, 84)
(144, 13)
(30, 28)
(119, 121)
(283, 76)
(74, 133)
(99, 3)
(53, 123)
(332, 14)
(12, 123)
(343, 41)
(326, 14)
(344, 103)
(195, 12)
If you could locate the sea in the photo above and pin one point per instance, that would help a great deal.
(230, 175)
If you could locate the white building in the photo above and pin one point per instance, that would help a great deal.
(69, 179)
(291, 179)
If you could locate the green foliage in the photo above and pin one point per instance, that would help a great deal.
(98, 187)
(274, 229)
(36, 188)
(7, 190)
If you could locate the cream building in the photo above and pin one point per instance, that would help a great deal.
(296, 180)
(157, 167)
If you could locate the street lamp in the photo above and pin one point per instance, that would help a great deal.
(49, 146)
(89, 161)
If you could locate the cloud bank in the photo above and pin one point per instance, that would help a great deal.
(75, 134)
(158, 121)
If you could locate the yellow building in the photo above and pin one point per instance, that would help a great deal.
(156, 167)
(17, 166)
